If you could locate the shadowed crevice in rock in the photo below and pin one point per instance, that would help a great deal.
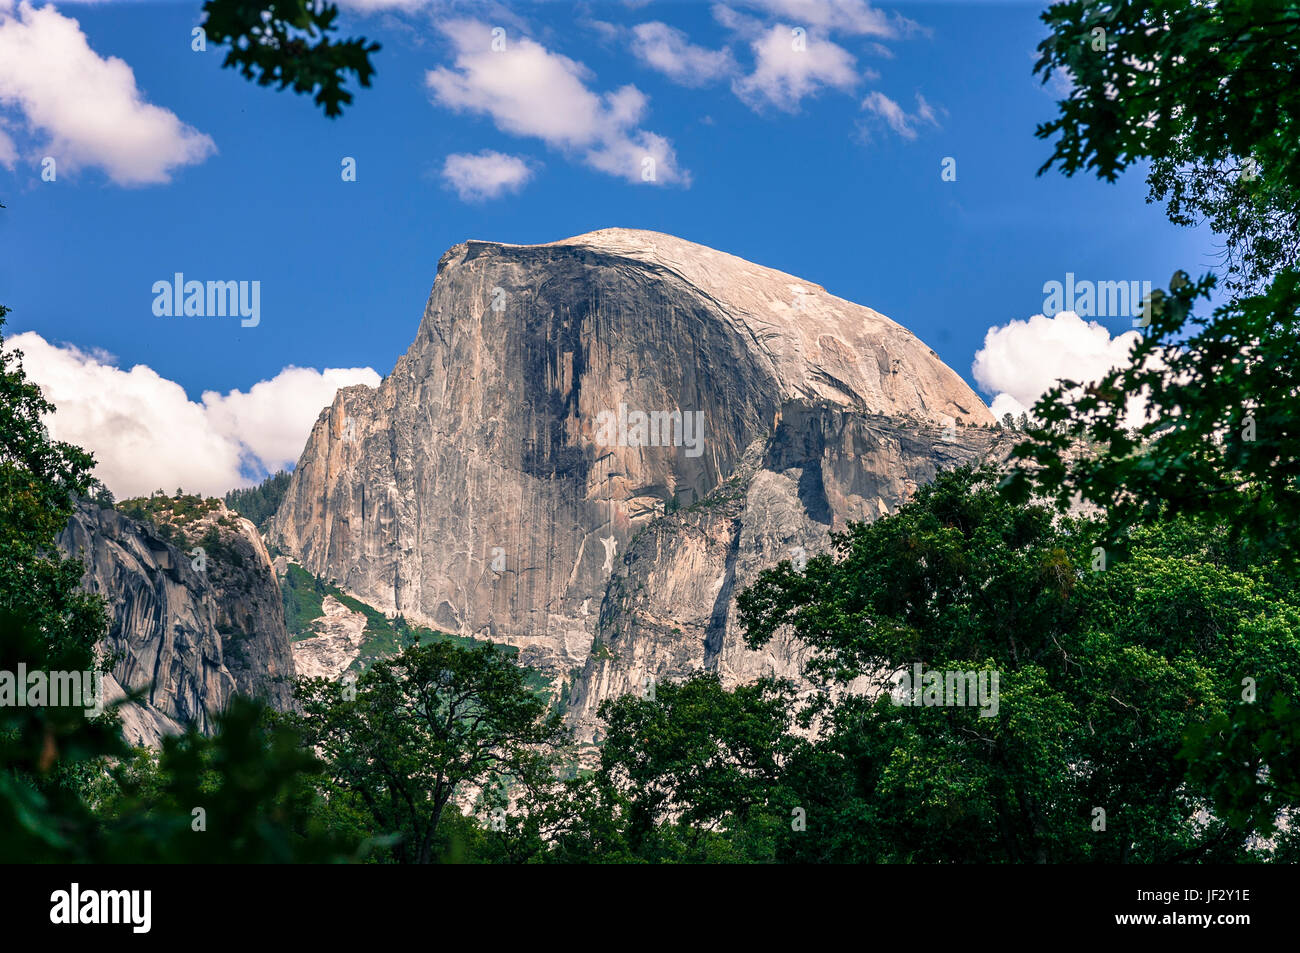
(717, 628)
(813, 495)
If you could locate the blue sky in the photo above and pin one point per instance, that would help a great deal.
(818, 185)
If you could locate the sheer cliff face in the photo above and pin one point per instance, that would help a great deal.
(670, 608)
(493, 483)
(190, 637)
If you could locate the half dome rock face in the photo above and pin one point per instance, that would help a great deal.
(560, 399)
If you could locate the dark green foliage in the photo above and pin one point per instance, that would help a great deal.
(1209, 94)
(1249, 758)
(46, 753)
(302, 594)
(418, 726)
(60, 797)
(101, 496)
(1256, 216)
(1223, 438)
(1211, 81)
(173, 517)
(217, 548)
(245, 795)
(40, 480)
(1103, 675)
(259, 503)
(288, 43)
(694, 772)
(179, 510)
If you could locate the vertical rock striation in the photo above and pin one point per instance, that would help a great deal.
(188, 637)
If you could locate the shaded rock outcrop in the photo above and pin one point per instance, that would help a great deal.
(188, 631)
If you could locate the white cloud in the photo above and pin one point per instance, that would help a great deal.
(527, 90)
(1022, 360)
(850, 17)
(146, 433)
(379, 6)
(8, 150)
(787, 68)
(737, 22)
(86, 108)
(609, 32)
(924, 111)
(485, 175)
(896, 117)
(668, 50)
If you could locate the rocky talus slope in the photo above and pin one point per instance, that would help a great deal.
(339, 635)
(499, 482)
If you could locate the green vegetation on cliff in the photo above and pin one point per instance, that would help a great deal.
(259, 503)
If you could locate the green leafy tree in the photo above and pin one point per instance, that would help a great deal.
(1105, 668)
(1174, 81)
(245, 795)
(40, 480)
(690, 775)
(1222, 437)
(1249, 759)
(1208, 93)
(59, 798)
(49, 755)
(287, 43)
(46, 624)
(417, 728)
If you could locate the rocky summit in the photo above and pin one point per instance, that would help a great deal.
(601, 440)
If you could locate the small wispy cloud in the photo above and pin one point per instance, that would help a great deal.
(905, 124)
(530, 91)
(485, 175)
(791, 64)
(671, 52)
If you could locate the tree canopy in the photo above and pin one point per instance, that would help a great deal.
(1208, 93)
(287, 43)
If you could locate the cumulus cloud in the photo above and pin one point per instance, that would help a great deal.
(485, 175)
(790, 66)
(897, 118)
(85, 108)
(146, 433)
(1022, 360)
(530, 91)
(670, 51)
